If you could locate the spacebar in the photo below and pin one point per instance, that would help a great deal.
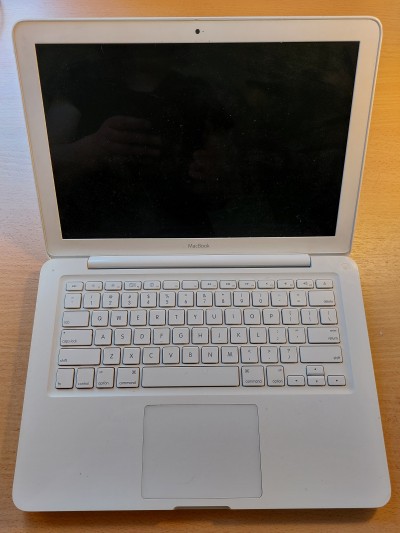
(184, 376)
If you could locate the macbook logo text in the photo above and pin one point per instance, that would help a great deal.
(198, 245)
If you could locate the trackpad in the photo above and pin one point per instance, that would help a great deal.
(201, 451)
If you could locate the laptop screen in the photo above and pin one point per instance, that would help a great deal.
(197, 140)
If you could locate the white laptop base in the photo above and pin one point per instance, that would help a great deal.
(231, 372)
(255, 447)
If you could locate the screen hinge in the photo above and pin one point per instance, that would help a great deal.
(200, 261)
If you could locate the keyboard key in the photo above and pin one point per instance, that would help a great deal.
(167, 299)
(111, 356)
(277, 335)
(157, 317)
(176, 317)
(91, 300)
(138, 318)
(204, 299)
(148, 299)
(185, 299)
(100, 318)
(233, 317)
(131, 356)
(266, 284)
(269, 354)
(316, 381)
(79, 356)
(223, 299)
(132, 285)
(94, 285)
(275, 376)
(296, 335)
(65, 378)
(305, 284)
(309, 316)
(170, 355)
(289, 354)
(228, 284)
(84, 378)
(111, 299)
(324, 284)
(180, 335)
(219, 335)
(298, 298)
(189, 285)
(253, 376)
(161, 336)
(241, 299)
(127, 377)
(171, 285)
(122, 336)
(321, 354)
(72, 301)
(119, 318)
(209, 355)
(290, 316)
(229, 354)
(74, 319)
(316, 370)
(328, 316)
(141, 336)
(252, 316)
(279, 299)
(239, 335)
(151, 356)
(190, 355)
(103, 337)
(323, 335)
(258, 335)
(105, 378)
(74, 286)
(335, 381)
(245, 284)
(208, 284)
(249, 354)
(285, 284)
(113, 285)
(259, 298)
(151, 285)
(226, 376)
(321, 298)
(129, 299)
(214, 316)
(76, 337)
(271, 317)
(296, 381)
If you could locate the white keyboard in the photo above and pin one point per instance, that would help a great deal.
(136, 333)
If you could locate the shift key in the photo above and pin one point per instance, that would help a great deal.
(79, 356)
(321, 354)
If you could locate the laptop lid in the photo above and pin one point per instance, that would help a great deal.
(162, 136)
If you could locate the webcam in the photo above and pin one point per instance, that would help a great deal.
(197, 31)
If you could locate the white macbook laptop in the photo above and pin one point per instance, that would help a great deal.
(200, 337)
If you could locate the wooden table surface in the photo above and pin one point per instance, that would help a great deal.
(376, 249)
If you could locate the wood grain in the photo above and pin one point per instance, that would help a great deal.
(376, 249)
